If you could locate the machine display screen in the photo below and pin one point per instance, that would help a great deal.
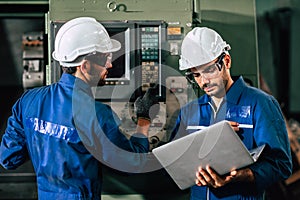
(119, 73)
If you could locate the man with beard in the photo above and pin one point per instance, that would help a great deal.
(64, 131)
(207, 62)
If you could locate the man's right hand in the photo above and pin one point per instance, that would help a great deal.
(147, 107)
(234, 125)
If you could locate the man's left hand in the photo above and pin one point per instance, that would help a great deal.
(208, 177)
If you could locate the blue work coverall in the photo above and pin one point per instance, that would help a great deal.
(245, 105)
(43, 128)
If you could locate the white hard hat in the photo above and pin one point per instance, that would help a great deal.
(200, 46)
(81, 36)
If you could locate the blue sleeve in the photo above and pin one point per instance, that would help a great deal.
(275, 164)
(110, 123)
(13, 150)
(119, 152)
(99, 129)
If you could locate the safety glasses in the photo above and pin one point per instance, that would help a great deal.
(101, 59)
(209, 72)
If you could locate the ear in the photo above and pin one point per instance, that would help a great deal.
(84, 67)
(227, 61)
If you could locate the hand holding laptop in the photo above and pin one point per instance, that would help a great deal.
(217, 146)
(208, 177)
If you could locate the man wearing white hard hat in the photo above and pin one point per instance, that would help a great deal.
(206, 59)
(64, 131)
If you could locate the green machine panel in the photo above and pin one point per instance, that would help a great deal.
(235, 20)
(167, 10)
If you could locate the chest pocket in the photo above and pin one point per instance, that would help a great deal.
(241, 114)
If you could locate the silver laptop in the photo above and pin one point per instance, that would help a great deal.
(217, 145)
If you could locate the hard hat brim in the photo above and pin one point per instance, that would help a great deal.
(116, 46)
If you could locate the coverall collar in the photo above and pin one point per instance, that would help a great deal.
(235, 91)
(232, 95)
(75, 82)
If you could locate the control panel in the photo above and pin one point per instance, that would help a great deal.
(150, 40)
(161, 126)
(125, 111)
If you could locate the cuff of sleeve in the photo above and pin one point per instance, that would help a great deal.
(142, 140)
(144, 119)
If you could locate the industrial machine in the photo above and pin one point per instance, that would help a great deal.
(33, 59)
(151, 32)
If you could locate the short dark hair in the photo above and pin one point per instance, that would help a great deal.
(69, 70)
